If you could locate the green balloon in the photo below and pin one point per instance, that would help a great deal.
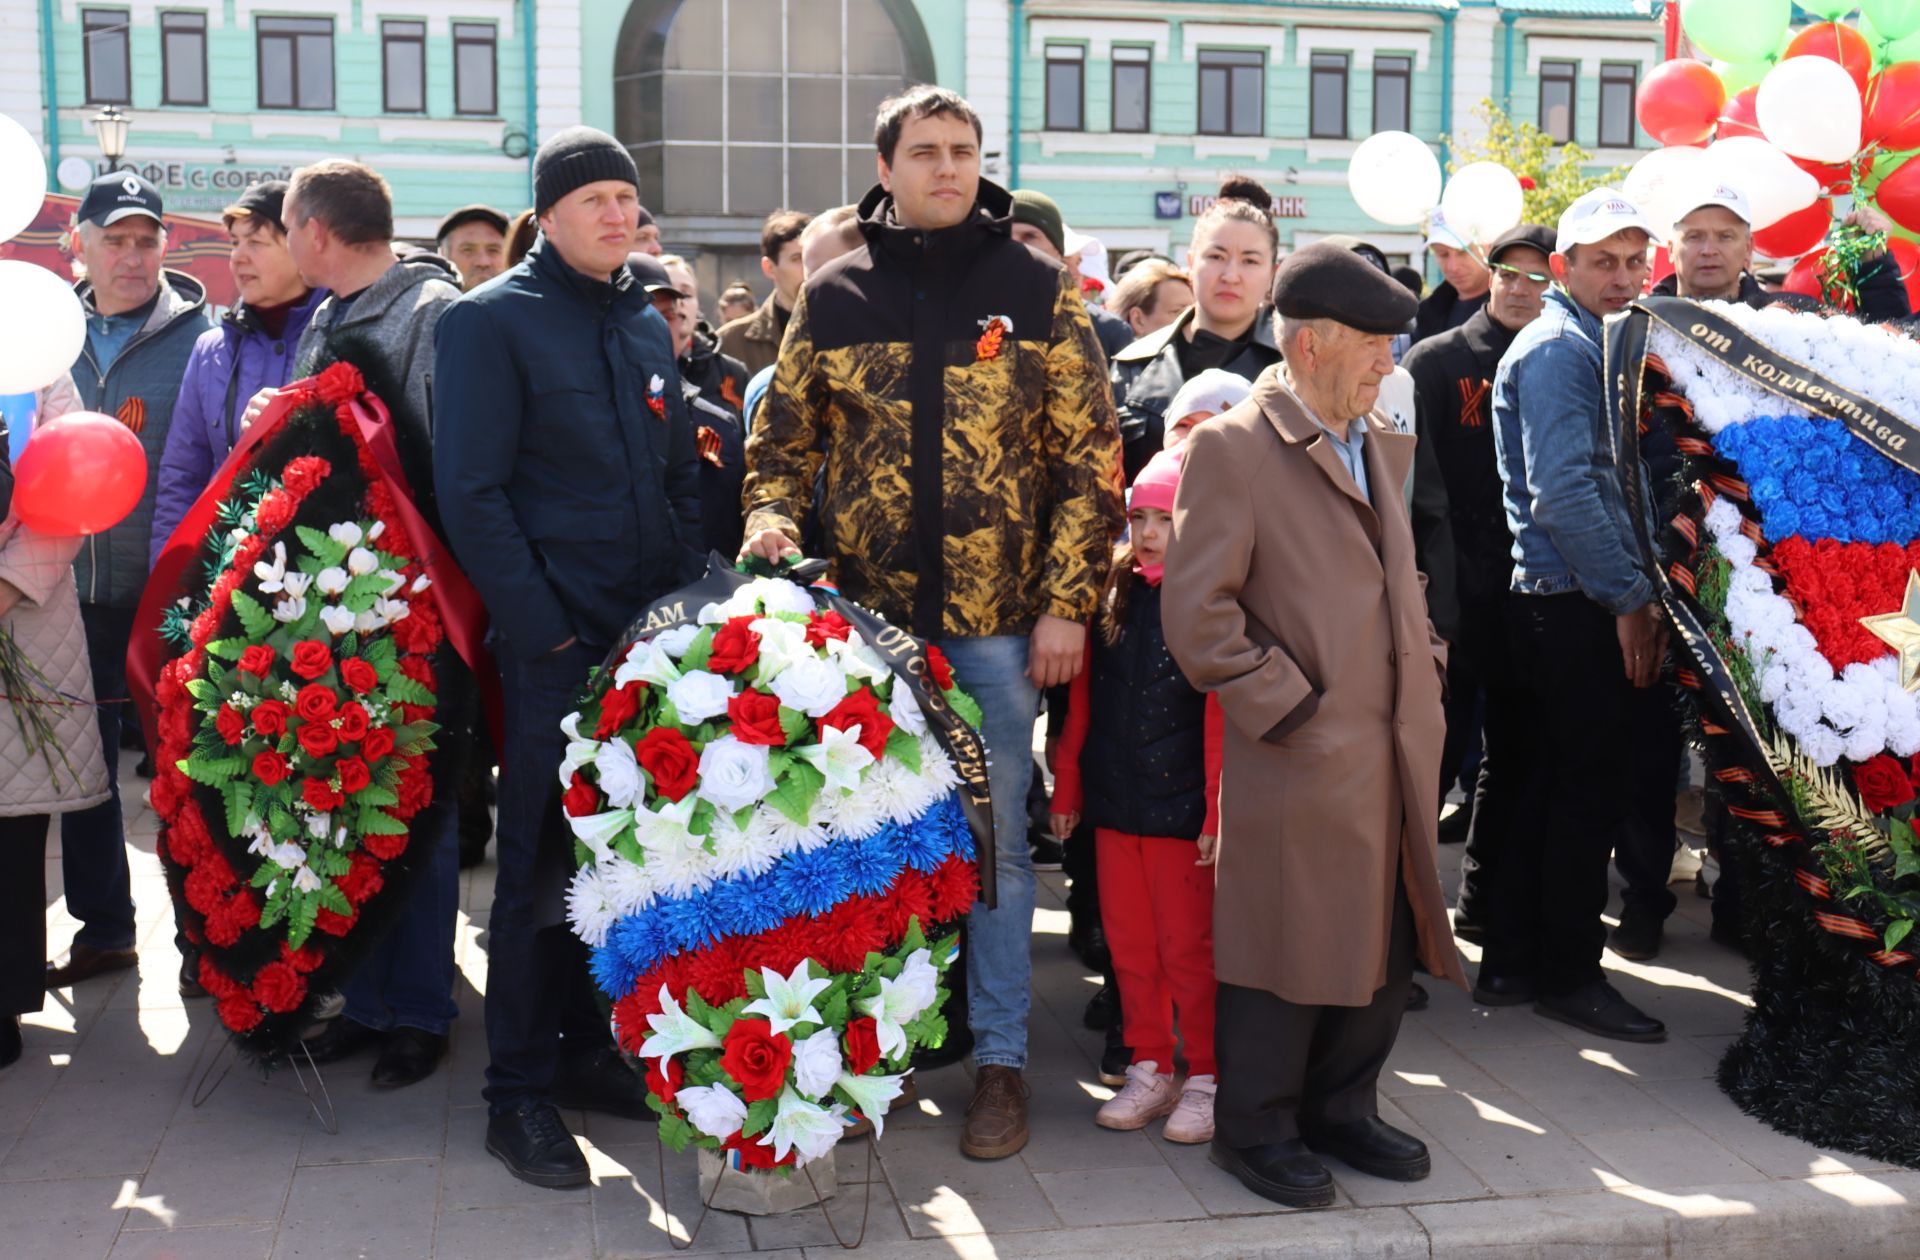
(1828, 10)
(1889, 52)
(1739, 30)
(1894, 19)
(1738, 76)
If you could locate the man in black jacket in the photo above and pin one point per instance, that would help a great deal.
(1453, 392)
(569, 486)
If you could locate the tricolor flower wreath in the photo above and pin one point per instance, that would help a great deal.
(771, 859)
(296, 724)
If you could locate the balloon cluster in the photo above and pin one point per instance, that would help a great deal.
(1395, 178)
(82, 472)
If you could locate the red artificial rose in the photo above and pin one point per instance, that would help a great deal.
(319, 794)
(757, 1057)
(257, 660)
(581, 798)
(270, 768)
(386, 848)
(664, 1085)
(334, 924)
(754, 1153)
(274, 513)
(318, 739)
(270, 718)
(353, 722)
(940, 668)
(301, 475)
(863, 1045)
(756, 718)
(354, 775)
(315, 703)
(377, 744)
(736, 648)
(311, 658)
(1882, 783)
(862, 709)
(827, 625)
(279, 987)
(617, 708)
(232, 727)
(239, 1012)
(359, 676)
(666, 755)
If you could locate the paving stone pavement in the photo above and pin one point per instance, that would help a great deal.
(1544, 1142)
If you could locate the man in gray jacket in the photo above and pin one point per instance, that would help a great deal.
(142, 322)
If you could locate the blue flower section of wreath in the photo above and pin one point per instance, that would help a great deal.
(799, 883)
(1815, 479)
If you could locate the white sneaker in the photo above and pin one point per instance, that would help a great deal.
(1145, 1097)
(1192, 1120)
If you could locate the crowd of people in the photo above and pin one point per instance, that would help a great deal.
(1285, 553)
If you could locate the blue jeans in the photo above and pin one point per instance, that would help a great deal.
(407, 979)
(93, 842)
(999, 968)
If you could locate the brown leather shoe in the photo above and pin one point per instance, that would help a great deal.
(997, 1117)
(85, 962)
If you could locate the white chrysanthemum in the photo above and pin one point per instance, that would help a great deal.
(739, 851)
(698, 695)
(896, 793)
(936, 767)
(682, 869)
(590, 906)
(676, 641)
(776, 834)
(629, 886)
(857, 814)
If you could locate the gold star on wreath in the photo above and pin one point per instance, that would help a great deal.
(1901, 632)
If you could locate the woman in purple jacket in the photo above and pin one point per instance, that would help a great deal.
(251, 350)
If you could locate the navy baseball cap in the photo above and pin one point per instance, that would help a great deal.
(118, 195)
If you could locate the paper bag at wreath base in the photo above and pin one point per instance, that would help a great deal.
(758, 1193)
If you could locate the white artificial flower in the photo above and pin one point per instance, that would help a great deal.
(898, 1004)
(857, 660)
(289, 609)
(656, 385)
(621, 777)
(599, 831)
(812, 685)
(666, 827)
(338, 620)
(628, 885)
(734, 775)
(699, 695)
(304, 880)
(296, 583)
(683, 869)
(803, 1127)
(676, 641)
(775, 834)
(580, 750)
(854, 814)
(919, 975)
(816, 1063)
(646, 662)
(838, 756)
(676, 1032)
(392, 609)
(394, 581)
(738, 851)
(777, 595)
(262, 842)
(420, 584)
(375, 530)
(904, 708)
(367, 622)
(789, 999)
(287, 855)
(715, 1110)
(272, 573)
(317, 825)
(346, 533)
(873, 1094)
(590, 906)
(936, 767)
(893, 792)
(782, 643)
(362, 563)
(331, 580)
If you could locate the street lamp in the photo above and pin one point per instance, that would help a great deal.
(110, 125)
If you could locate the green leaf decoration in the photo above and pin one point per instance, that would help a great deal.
(367, 587)
(321, 546)
(1897, 932)
(254, 617)
(377, 822)
(756, 987)
(835, 1008)
(904, 749)
(759, 1117)
(796, 724)
(349, 644)
(628, 847)
(273, 912)
(333, 899)
(374, 794)
(675, 1133)
(929, 1030)
(699, 652)
(237, 796)
(966, 707)
(201, 689)
(799, 788)
(914, 939)
(301, 913)
(213, 771)
(407, 691)
(228, 649)
(264, 874)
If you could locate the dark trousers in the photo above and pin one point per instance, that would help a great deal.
(538, 989)
(1643, 854)
(23, 914)
(93, 842)
(1573, 764)
(1480, 665)
(1283, 1065)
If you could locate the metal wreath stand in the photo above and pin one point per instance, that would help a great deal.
(329, 1118)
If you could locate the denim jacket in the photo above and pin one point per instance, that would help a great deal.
(1566, 508)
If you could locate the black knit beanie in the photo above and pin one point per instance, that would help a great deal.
(576, 157)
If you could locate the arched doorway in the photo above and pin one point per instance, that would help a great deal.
(736, 108)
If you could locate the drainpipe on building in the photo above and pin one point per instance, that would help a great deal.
(527, 62)
(52, 87)
(1013, 94)
(1446, 87)
(1506, 63)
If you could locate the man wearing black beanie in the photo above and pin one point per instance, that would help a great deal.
(569, 484)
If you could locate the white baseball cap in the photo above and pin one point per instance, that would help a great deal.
(1713, 193)
(1438, 233)
(1598, 215)
(1214, 390)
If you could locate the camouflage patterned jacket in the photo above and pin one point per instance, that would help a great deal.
(954, 384)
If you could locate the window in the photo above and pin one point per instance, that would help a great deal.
(1233, 93)
(476, 75)
(1066, 88)
(1132, 89)
(295, 62)
(1392, 93)
(104, 34)
(1327, 97)
(403, 61)
(183, 59)
(1617, 86)
(1557, 80)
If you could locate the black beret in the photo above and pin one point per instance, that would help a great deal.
(1532, 235)
(472, 214)
(1327, 280)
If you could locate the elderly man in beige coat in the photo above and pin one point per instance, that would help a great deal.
(1291, 593)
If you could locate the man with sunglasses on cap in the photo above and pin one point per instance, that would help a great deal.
(1463, 286)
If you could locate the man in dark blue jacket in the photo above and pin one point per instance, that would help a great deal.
(572, 502)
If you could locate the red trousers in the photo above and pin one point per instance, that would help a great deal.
(1157, 907)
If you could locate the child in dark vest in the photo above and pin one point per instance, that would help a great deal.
(1141, 757)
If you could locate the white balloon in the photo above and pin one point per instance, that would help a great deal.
(23, 178)
(1659, 179)
(1774, 186)
(1809, 108)
(42, 326)
(1483, 199)
(1394, 177)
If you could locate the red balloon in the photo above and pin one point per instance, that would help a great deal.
(1681, 101)
(1898, 195)
(1838, 43)
(1798, 232)
(79, 474)
(1893, 108)
(1662, 267)
(1741, 117)
(1829, 175)
(1805, 276)
(1907, 254)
